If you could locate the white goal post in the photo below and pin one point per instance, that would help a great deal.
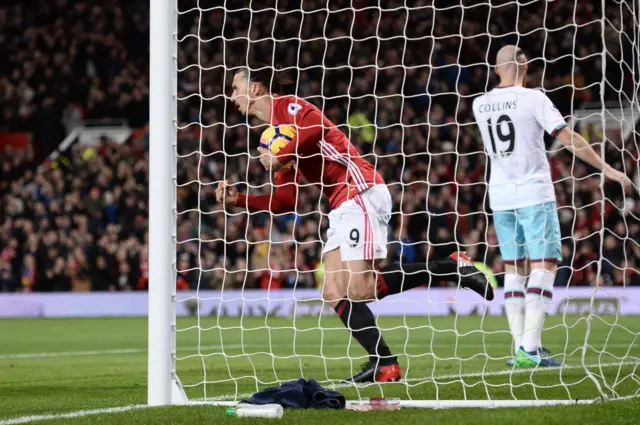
(163, 387)
(226, 341)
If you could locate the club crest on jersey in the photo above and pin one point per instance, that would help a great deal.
(293, 108)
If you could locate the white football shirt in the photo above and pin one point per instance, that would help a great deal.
(512, 121)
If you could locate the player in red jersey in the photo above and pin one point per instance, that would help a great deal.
(361, 209)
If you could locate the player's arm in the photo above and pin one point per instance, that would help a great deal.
(281, 201)
(310, 129)
(583, 150)
(553, 122)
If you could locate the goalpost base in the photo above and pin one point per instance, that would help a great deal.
(178, 396)
(485, 404)
(446, 404)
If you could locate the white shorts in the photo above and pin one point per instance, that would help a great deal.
(359, 226)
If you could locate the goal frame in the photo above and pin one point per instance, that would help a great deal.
(164, 386)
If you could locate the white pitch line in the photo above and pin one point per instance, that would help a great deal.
(76, 414)
(111, 352)
(427, 379)
(98, 352)
(70, 353)
(9, 356)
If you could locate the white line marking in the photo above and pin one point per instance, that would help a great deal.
(105, 352)
(438, 379)
(76, 414)
(70, 353)
(235, 347)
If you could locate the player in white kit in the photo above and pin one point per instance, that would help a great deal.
(512, 120)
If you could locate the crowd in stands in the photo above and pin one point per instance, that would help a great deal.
(64, 61)
(401, 89)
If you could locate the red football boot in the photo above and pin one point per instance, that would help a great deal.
(371, 373)
(391, 373)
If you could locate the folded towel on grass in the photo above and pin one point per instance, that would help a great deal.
(300, 394)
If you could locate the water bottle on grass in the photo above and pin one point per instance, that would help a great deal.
(256, 411)
(375, 403)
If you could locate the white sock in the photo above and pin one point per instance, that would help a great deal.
(539, 293)
(514, 306)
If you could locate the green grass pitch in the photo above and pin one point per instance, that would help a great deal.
(58, 366)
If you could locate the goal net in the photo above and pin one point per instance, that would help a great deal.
(397, 77)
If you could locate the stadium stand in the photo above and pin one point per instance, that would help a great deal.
(80, 223)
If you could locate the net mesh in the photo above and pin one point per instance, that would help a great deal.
(398, 78)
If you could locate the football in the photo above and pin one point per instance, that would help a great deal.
(277, 137)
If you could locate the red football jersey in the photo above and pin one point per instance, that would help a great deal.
(281, 201)
(324, 155)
